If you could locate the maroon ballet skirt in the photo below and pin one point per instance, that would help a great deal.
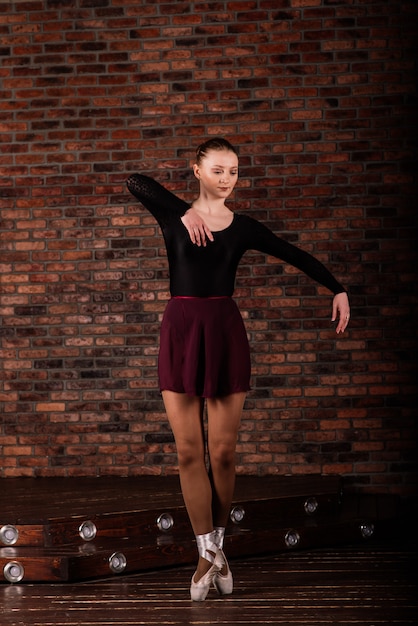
(204, 348)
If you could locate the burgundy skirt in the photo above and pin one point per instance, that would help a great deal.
(204, 348)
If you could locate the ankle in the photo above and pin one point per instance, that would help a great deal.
(219, 536)
(206, 546)
(203, 566)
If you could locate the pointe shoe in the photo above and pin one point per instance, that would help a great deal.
(224, 583)
(200, 589)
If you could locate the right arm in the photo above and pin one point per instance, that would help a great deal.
(162, 204)
(159, 201)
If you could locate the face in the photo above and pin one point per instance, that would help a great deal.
(217, 173)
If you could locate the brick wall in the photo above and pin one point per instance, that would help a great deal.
(318, 96)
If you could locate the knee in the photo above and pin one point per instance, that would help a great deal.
(222, 456)
(189, 455)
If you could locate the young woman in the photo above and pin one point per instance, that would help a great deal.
(204, 352)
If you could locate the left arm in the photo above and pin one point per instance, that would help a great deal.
(268, 242)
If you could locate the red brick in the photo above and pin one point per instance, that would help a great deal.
(320, 110)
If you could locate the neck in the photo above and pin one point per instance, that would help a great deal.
(210, 205)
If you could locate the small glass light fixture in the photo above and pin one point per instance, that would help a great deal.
(237, 514)
(13, 571)
(165, 522)
(9, 535)
(292, 538)
(117, 562)
(311, 505)
(87, 530)
(367, 530)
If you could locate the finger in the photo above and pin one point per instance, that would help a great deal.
(192, 236)
(197, 237)
(340, 328)
(208, 233)
(343, 323)
(202, 236)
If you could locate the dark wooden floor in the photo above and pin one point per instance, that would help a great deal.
(334, 577)
(365, 585)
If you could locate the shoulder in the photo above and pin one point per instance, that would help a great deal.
(245, 221)
(251, 225)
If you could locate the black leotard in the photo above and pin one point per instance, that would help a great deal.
(207, 271)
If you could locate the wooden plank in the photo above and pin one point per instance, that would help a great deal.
(137, 525)
(141, 525)
(121, 507)
(27, 499)
(28, 535)
(24, 500)
(92, 559)
(370, 585)
(277, 509)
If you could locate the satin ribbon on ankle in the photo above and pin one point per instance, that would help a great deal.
(206, 546)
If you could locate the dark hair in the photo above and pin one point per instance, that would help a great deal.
(217, 143)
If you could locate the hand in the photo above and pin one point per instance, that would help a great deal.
(340, 306)
(199, 233)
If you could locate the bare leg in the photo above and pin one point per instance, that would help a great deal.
(185, 414)
(224, 418)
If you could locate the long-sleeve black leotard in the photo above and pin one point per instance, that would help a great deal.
(207, 271)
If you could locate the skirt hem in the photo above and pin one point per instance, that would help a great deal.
(194, 394)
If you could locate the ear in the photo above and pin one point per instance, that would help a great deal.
(196, 170)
